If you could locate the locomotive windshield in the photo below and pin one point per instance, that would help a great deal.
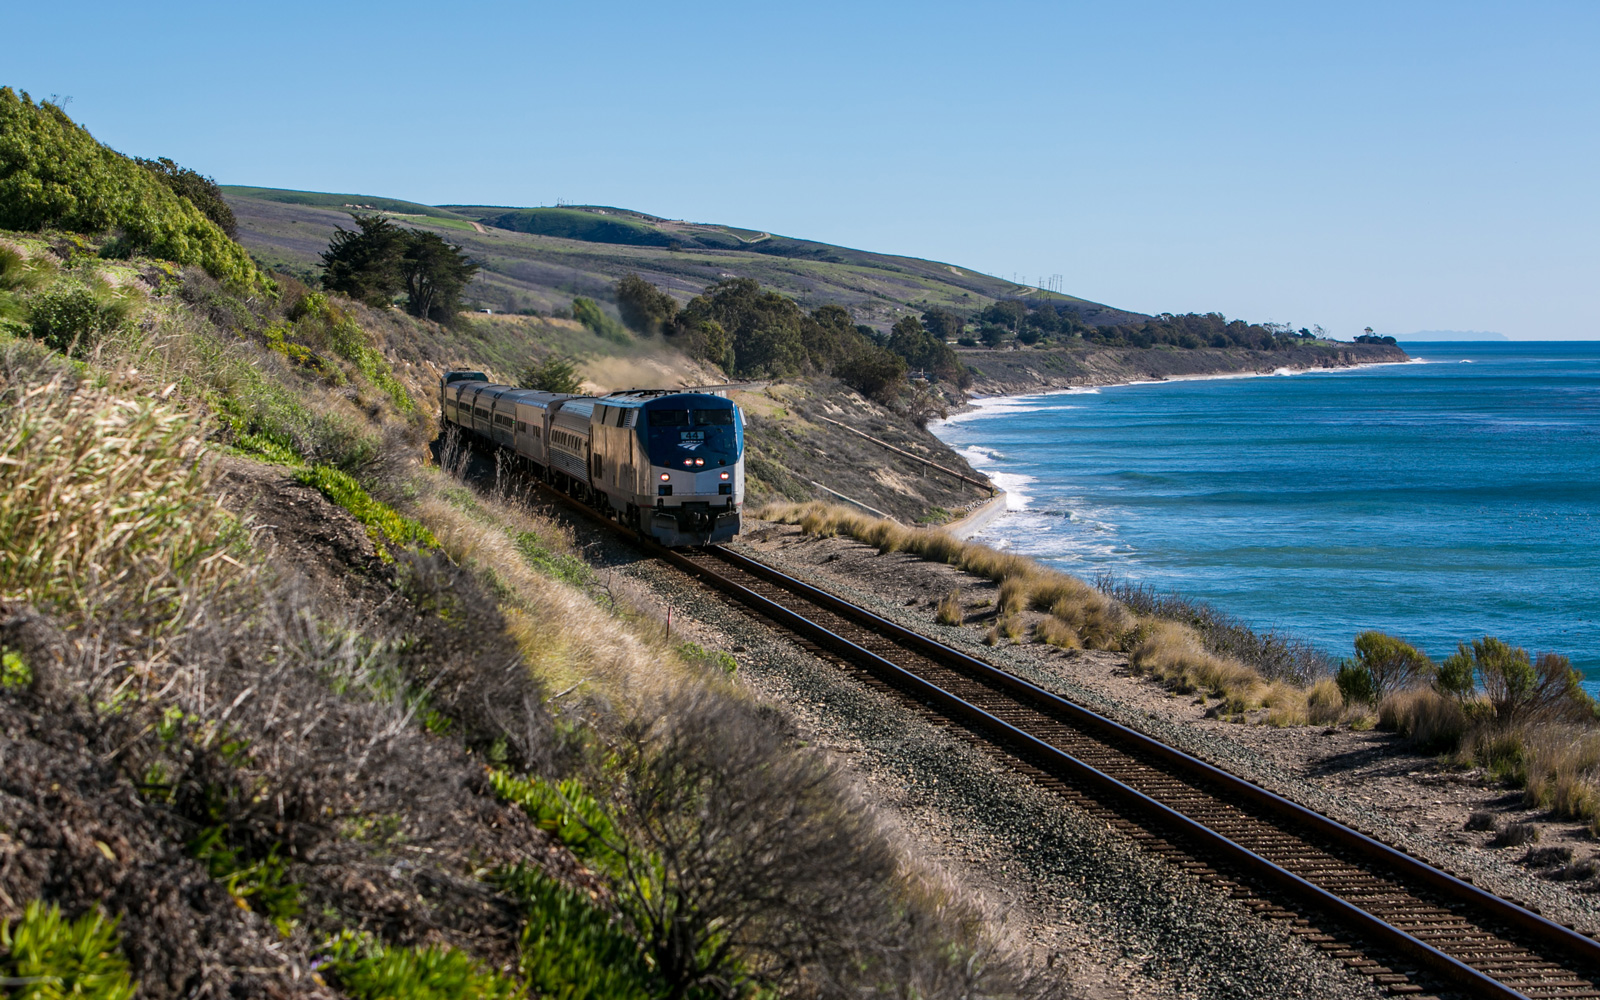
(676, 433)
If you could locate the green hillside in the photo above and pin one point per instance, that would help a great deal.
(538, 259)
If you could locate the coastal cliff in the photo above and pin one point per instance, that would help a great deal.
(1029, 370)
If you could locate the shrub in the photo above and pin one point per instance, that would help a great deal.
(383, 523)
(1455, 676)
(1519, 689)
(588, 312)
(366, 969)
(572, 948)
(1481, 819)
(1392, 663)
(53, 174)
(44, 957)
(644, 307)
(874, 372)
(949, 611)
(1516, 834)
(71, 319)
(1355, 683)
(553, 374)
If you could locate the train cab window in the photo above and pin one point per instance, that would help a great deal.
(669, 418)
(713, 418)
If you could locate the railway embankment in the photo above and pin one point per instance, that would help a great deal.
(1448, 811)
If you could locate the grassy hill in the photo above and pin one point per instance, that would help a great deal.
(538, 259)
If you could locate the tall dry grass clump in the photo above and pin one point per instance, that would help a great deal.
(1433, 721)
(1324, 702)
(104, 505)
(949, 610)
(1175, 654)
(1097, 621)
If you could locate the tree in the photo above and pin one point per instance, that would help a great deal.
(378, 259)
(553, 374)
(992, 334)
(364, 263)
(943, 324)
(435, 273)
(645, 308)
(920, 350)
(874, 372)
(201, 191)
(1008, 313)
(1456, 677)
(1393, 663)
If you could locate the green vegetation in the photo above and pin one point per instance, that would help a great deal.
(201, 191)
(588, 312)
(366, 969)
(44, 957)
(553, 374)
(377, 259)
(260, 884)
(645, 308)
(54, 175)
(572, 948)
(385, 526)
(574, 224)
(72, 318)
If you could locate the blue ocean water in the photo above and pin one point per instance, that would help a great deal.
(1441, 500)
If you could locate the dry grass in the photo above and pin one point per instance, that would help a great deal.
(104, 504)
(1433, 721)
(1324, 703)
(1097, 621)
(1057, 633)
(949, 611)
(1173, 653)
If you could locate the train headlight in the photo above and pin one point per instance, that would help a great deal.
(665, 476)
(699, 461)
(724, 475)
(688, 461)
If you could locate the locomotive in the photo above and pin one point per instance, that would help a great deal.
(668, 463)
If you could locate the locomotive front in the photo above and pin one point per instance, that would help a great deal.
(695, 444)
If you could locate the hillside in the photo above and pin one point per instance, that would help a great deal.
(298, 701)
(538, 259)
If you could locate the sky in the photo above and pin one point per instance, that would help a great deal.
(1404, 166)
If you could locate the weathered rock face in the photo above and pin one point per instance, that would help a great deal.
(1025, 370)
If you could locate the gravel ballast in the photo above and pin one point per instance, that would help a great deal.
(1081, 900)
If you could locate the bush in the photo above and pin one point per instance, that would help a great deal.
(874, 372)
(1355, 684)
(71, 319)
(366, 969)
(949, 611)
(54, 175)
(587, 312)
(572, 948)
(45, 957)
(644, 307)
(1455, 676)
(553, 374)
(1392, 663)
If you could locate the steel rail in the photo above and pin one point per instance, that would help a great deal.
(1453, 970)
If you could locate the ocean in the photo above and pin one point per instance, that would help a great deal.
(1442, 500)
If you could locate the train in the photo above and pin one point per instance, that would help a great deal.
(668, 463)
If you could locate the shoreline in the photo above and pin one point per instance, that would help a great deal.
(972, 405)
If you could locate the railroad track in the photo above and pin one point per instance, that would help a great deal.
(1412, 927)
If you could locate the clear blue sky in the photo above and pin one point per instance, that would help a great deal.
(1408, 166)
